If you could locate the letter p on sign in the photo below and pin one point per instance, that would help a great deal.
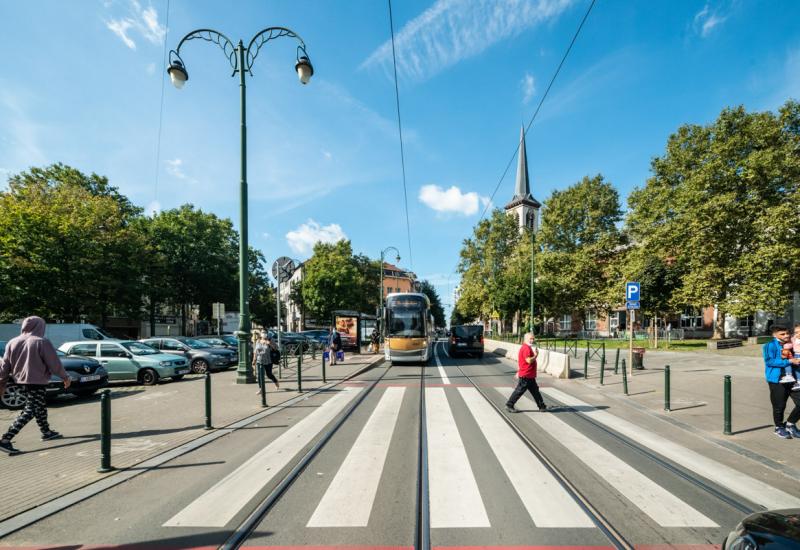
(632, 292)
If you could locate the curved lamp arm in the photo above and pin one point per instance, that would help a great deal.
(271, 33)
(209, 35)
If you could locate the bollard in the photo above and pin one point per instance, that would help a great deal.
(602, 368)
(105, 432)
(616, 363)
(324, 378)
(604, 353)
(585, 366)
(262, 385)
(666, 388)
(300, 373)
(208, 402)
(624, 378)
(313, 350)
(726, 398)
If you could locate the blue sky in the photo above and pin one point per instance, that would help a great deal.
(80, 83)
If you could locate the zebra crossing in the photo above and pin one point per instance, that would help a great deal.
(455, 497)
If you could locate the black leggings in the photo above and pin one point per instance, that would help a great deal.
(268, 372)
(523, 385)
(35, 407)
(779, 395)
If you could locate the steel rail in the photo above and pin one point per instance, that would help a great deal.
(422, 529)
(246, 528)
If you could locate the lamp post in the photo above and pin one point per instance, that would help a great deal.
(533, 248)
(241, 60)
(380, 301)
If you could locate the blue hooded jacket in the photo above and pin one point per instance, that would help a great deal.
(774, 365)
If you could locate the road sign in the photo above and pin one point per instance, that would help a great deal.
(218, 310)
(632, 304)
(632, 292)
(283, 266)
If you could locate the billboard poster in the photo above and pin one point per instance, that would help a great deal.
(347, 327)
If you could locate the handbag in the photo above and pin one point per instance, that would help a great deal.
(340, 356)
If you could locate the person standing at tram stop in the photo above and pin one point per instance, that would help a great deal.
(262, 358)
(375, 340)
(526, 376)
(334, 345)
(30, 359)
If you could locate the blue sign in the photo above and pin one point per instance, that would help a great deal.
(632, 292)
(630, 304)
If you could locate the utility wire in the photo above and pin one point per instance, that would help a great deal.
(400, 130)
(538, 107)
(161, 108)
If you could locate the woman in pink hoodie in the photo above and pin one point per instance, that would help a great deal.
(30, 359)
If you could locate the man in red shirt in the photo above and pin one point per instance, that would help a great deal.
(526, 376)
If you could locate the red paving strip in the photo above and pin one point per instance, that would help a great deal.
(135, 546)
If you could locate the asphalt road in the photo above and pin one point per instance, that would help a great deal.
(487, 486)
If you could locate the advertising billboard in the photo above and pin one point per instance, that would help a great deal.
(347, 327)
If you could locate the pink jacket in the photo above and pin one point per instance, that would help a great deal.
(30, 358)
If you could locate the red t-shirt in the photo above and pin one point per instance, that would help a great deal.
(526, 370)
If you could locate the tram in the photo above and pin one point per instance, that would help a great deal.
(408, 328)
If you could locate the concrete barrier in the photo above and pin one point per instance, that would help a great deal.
(554, 363)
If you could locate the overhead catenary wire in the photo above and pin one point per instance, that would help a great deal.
(539, 106)
(400, 130)
(161, 110)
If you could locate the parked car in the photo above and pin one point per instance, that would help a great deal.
(466, 339)
(87, 377)
(58, 333)
(226, 342)
(130, 360)
(291, 338)
(318, 335)
(202, 357)
(768, 529)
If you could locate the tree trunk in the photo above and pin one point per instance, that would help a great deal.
(719, 324)
(152, 318)
(183, 319)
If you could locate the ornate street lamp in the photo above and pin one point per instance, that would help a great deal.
(241, 60)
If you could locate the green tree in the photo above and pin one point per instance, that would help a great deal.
(724, 202)
(369, 283)
(436, 304)
(263, 307)
(331, 280)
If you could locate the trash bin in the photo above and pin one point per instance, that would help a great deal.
(638, 358)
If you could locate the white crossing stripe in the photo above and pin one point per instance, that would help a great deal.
(750, 488)
(660, 505)
(445, 379)
(453, 493)
(217, 506)
(349, 498)
(547, 502)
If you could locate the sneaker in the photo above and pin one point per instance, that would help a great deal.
(781, 432)
(796, 386)
(787, 378)
(7, 447)
(511, 409)
(792, 430)
(51, 435)
(543, 408)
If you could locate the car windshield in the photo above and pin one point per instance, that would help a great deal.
(231, 340)
(192, 343)
(405, 322)
(138, 348)
(58, 352)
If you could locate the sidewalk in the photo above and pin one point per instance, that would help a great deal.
(146, 421)
(697, 399)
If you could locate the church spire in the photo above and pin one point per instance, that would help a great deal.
(522, 189)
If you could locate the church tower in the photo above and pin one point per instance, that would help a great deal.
(523, 205)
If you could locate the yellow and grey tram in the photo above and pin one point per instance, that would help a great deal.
(408, 328)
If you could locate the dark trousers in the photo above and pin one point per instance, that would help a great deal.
(35, 407)
(268, 372)
(779, 395)
(523, 385)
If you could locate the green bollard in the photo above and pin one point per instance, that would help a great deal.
(602, 368)
(624, 378)
(604, 353)
(324, 378)
(262, 385)
(208, 402)
(105, 432)
(727, 404)
(300, 373)
(616, 363)
(666, 388)
(585, 366)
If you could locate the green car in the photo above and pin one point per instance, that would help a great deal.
(130, 360)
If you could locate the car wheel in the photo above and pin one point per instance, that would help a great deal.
(84, 393)
(13, 398)
(200, 366)
(148, 377)
(177, 378)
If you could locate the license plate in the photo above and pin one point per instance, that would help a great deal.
(182, 371)
(91, 378)
(461, 344)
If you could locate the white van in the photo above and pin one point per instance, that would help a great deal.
(58, 333)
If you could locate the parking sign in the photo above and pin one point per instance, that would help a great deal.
(632, 292)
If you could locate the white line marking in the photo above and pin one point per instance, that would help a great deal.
(547, 502)
(350, 496)
(445, 351)
(660, 505)
(454, 497)
(217, 506)
(752, 489)
(442, 374)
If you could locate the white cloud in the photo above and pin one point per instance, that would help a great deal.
(303, 239)
(144, 21)
(327, 154)
(19, 133)
(451, 200)
(453, 30)
(153, 208)
(175, 169)
(705, 21)
(528, 87)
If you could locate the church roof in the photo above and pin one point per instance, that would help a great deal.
(522, 190)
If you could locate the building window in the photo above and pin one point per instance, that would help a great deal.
(565, 323)
(591, 321)
(613, 322)
(745, 322)
(692, 318)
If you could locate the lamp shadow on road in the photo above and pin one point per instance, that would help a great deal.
(174, 466)
(212, 539)
(753, 429)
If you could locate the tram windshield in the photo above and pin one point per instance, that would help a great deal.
(406, 317)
